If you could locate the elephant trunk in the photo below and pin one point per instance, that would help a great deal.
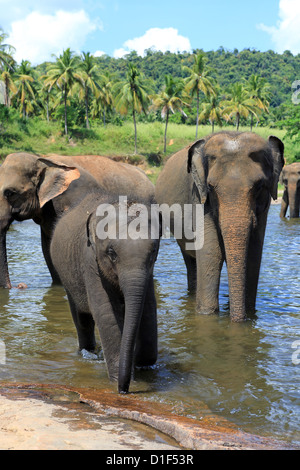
(5, 221)
(294, 199)
(4, 275)
(236, 233)
(133, 286)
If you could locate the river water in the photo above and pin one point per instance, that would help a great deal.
(246, 373)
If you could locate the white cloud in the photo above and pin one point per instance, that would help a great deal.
(38, 35)
(98, 53)
(286, 34)
(158, 39)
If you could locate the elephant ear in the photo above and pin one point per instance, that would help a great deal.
(90, 230)
(54, 179)
(277, 148)
(196, 165)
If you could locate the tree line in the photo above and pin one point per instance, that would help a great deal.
(80, 88)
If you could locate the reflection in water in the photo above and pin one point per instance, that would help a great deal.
(243, 372)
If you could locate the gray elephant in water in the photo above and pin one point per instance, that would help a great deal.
(290, 178)
(233, 176)
(108, 278)
(25, 179)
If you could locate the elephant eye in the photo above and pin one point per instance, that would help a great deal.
(9, 193)
(111, 254)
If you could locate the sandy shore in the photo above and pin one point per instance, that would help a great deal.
(50, 417)
(32, 424)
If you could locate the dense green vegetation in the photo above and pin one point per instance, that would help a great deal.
(150, 106)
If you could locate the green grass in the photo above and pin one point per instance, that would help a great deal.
(38, 136)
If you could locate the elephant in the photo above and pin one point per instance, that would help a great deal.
(233, 175)
(290, 178)
(109, 282)
(24, 178)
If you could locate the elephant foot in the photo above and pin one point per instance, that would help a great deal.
(207, 310)
(90, 355)
(148, 367)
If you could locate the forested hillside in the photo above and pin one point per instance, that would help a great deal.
(279, 71)
(78, 95)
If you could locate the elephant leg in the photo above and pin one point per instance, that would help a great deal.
(210, 259)
(46, 241)
(85, 326)
(146, 344)
(284, 204)
(253, 267)
(191, 268)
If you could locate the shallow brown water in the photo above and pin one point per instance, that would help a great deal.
(247, 373)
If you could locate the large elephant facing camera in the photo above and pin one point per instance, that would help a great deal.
(25, 180)
(290, 178)
(234, 175)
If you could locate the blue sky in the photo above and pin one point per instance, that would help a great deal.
(37, 28)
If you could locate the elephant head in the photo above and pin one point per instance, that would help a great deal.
(27, 183)
(290, 178)
(235, 175)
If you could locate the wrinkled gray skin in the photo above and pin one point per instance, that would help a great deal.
(290, 177)
(24, 182)
(109, 283)
(234, 175)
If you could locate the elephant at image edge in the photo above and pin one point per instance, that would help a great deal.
(290, 178)
(234, 175)
(25, 177)
(109, 282)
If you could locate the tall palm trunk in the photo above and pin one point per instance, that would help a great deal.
(198, 103)
(65, 104)
(6, 94)
(135, 132)
(251, 122)
(47, 107)
(87, 122)
(237, 121)
(166, 128)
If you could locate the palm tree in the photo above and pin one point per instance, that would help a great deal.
(25, 92)
(239, 104)
(103, 99)
(6, 51)
(132, 93)
(89, 81)
(8, 80)
(105, 94)
(169, 101)
(64, 74)
(199, 80)
(46, 95)
(212, 110)
(259, 91)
